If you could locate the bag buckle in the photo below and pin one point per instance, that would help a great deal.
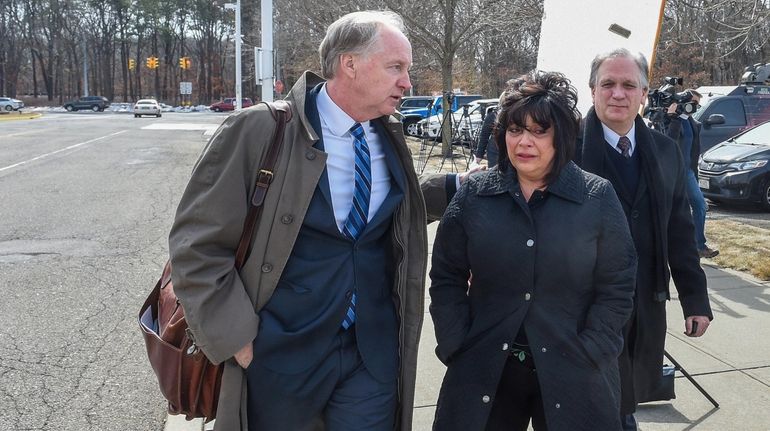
(265, 177)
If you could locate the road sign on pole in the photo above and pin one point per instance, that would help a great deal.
(185, 88)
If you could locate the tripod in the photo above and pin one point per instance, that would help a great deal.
(433, 142)
(690, 378)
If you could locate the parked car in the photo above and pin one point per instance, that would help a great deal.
(410, 117)
(228, 104)
(415, 102)
(94, 103)
(738, 170)
(9, 104)
(726, 111)
(147, 107)
(465, 125)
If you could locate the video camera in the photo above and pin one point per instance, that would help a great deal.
(449, 97)
(659, 101)
(661, 98)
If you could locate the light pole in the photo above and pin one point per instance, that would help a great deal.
(268, 77)
(237, 7)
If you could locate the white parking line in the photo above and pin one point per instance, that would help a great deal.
(21, 133)
(182, 126)
(42, 156)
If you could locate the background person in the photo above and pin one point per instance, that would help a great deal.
(685, 130)
(524, 341)
(487, 148)
(649, 176)
(309, 329)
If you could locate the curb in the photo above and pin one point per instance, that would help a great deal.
(20, 116)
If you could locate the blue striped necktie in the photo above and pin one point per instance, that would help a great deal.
(359, 212)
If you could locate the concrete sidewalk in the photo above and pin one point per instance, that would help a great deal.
(731, 362)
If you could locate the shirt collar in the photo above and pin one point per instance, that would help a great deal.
(333, 117)
(612, 137)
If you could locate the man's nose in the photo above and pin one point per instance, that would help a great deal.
(617, 92)
(405, 82)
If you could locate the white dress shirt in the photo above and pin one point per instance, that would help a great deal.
(612, 138)
(340, 165)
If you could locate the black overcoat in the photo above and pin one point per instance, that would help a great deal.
(567, 276)
(670, 252)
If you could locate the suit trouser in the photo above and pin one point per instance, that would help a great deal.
(338, 392)
(518, 399)
(698, 206)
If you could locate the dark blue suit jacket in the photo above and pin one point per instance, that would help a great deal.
(299, 323)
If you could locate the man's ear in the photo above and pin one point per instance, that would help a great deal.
(348, 65)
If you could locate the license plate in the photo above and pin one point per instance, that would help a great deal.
(703, 183)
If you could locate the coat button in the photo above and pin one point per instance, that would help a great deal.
(310, 155)
(527, 296)
(558, 406)
(505, 347)
(287, 219)
(543, 350)
(634, 214)
(267, 267)
(530, 242)
(485, 399)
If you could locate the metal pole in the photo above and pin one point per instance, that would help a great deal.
(267, 47)
(691, 379)
(85, 69)
(238, 96)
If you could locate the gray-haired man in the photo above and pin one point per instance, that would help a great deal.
(649, 176)
(321, 326)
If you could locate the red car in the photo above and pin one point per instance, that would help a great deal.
(229, 104)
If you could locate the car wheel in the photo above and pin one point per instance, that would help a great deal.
(137, 115)
(410, 127)
(95, 108)
(69, 108)
(8, 108)
(159, 115)
(217, 109)
(766, 195)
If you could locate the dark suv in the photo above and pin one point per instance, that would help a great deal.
(94, 103)
(727, 111)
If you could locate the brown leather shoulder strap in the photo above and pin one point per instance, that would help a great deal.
(281, 112)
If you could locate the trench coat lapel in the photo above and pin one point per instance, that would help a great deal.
(311, 111)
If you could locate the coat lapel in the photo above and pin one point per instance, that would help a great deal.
(398, 178)
(311, 111)
(593, 151)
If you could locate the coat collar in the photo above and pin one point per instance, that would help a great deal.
(569, 185)
(299, 95)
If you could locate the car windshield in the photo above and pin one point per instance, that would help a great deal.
(759, 135)
(415, 103)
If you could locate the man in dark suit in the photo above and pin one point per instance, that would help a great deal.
(320, 328)
(685, 130)
(648, 174)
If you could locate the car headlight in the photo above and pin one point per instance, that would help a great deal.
(747, 166)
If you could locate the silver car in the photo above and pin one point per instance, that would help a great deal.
(9, 104)
(146, 107)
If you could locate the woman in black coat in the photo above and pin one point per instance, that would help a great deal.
(536, 333)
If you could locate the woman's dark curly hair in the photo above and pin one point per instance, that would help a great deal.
(549, 100)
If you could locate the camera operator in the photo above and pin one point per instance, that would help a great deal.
(487, 146)
(683, 129)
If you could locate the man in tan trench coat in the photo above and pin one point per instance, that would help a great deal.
(320, 328)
